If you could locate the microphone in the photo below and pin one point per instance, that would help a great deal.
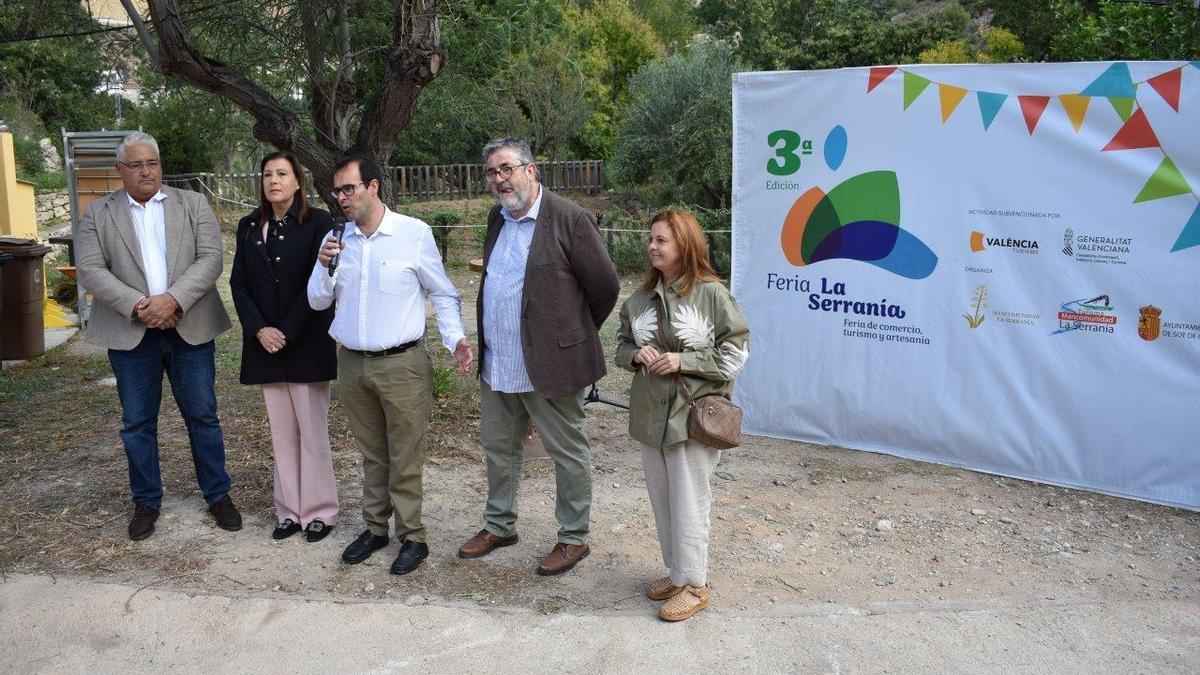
(339, 230)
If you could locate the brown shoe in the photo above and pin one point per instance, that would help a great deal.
(661, 589)
(685, 604)
(484, 543)
(563, 558)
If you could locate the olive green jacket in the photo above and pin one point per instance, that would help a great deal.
(706, 328)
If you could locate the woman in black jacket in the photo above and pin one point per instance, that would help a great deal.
(286, 346)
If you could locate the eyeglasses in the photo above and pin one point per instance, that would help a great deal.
(503, 173)
(151, 164)
(346, 190)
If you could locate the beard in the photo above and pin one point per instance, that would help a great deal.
(512, 201)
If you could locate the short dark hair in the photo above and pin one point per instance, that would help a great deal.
(368, 169)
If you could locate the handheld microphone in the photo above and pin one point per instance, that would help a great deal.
(339, 230)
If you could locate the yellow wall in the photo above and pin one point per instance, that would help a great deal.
(18, 210)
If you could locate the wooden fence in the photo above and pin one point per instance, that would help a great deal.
(441, 181)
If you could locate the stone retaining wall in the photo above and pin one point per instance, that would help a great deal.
(51, 205)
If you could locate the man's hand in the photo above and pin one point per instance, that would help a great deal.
(330, 248)
(665, 364)
(464, 356)
(160, 311)
(271, 339)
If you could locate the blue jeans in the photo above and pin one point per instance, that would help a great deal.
(192, 373)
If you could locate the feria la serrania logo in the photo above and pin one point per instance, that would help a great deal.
(858, 219)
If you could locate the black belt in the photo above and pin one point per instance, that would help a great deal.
(399, 349)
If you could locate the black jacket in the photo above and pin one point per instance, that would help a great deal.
(272, 292)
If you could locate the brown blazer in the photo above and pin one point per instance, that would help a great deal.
(571, 286)
(109, 264)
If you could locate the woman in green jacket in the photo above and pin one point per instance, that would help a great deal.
(681, 320)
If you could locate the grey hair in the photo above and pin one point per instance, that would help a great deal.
(512, 143)
(135, 138)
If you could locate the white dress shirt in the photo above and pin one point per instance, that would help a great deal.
(380, 286)
(504, 367)
(150, 227)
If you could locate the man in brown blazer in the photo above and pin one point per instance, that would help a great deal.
(547, 286)
(151, 255)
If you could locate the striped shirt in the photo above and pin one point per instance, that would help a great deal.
(504, 360)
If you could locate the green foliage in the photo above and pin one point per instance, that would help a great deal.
(55, 78)
(811, 34)
(675, 143)
(627, 249)
(196, 131)
(947, 51)
(553, 71)
(1125, 31)
(999, 46)
(443, 222)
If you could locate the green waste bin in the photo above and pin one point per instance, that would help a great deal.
(22, 333)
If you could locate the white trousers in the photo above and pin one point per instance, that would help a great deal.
(677, 478)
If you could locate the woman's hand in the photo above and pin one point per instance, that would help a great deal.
(271, 339)
(645, 355)
(665, 364)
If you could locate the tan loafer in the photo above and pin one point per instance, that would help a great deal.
(684, 604)
(662, 589)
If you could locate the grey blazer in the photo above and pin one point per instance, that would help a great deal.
(109, 264)
(570, 287)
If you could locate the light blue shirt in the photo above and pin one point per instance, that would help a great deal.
(503, 359)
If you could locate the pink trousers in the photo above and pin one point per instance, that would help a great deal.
(305, 487)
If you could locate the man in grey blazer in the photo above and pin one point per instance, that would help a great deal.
(547, 286)
(150, 255)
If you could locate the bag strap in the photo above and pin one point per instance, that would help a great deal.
(662, 330)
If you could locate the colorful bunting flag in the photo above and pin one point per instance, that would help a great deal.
(1166, 182)
(1196, 65)
(950, 97)
(879, 75)
(989, 105)
(1191, 233)
(1123, 105)
(1114, 82)
(913, 86)
(1167, 86)
(1076, 107)
(1135, 133)
(1032, 108)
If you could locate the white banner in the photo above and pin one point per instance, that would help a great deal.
(988, 266)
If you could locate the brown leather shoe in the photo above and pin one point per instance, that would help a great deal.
(563, 558)
(484, 543)
(685, 604)
(662, 589)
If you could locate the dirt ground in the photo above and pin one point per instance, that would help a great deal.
(792, 523)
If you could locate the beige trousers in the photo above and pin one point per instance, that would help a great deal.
(305, 487)
(389, 400)
(677, 478)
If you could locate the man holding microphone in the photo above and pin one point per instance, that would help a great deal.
(386, 265)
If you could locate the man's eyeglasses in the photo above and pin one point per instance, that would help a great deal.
(503, 173)
(346, 190)
(151, 164)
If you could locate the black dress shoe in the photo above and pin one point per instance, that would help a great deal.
(411, 555)
(360, 549)
(142, 523)
(318, 530)
(226, 514)
(285, 529)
